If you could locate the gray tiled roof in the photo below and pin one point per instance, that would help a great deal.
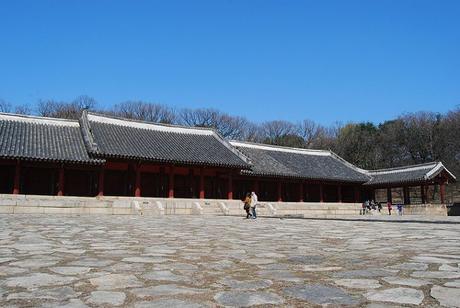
(407, 174)
(121, 138)
(298, 163)
(44, 139)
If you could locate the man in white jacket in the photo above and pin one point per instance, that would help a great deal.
(254, 201)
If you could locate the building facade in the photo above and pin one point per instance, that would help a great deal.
(102, 155)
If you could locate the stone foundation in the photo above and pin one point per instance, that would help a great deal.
(10, 204)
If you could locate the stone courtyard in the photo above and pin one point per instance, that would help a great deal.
(187, 261)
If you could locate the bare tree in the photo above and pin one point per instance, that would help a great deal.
(145, 111)
(65, 110)
(4, 106)
(23, 109)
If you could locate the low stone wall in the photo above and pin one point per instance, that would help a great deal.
(10, 204)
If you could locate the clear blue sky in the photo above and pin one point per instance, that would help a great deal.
(324, 60)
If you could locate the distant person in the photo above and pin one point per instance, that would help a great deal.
(400, 209)
(363, 208)
(379, 206)
(390, 207)
(247, 205)
(254, 201)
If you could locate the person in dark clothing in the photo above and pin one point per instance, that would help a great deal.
(247, 205)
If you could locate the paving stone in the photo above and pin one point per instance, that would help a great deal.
(281, 276)
(34, 263)
(305, 259)
(454, 283)
(169, 289)
(429, 259)
(450, 268)
(358, 283)
(6, 259)
(246, 284)
(366, 273)
(115, 281)
(107, 298)
(446, 296)
(406, 281)
(317, 268)
(61, 293)
(144, 260)
(411, 266)
(321, 295)
(72, 303)
(246, 299)
(38, 280)
(167, 303)
(164, 275)
(70, 270)
(436, 275)
(397, 295)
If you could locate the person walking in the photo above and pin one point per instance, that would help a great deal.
(400, 209)
(389, 207)
(254, 204)
(247, 205)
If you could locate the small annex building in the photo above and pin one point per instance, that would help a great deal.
(101, 155)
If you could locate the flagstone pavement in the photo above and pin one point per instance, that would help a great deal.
(196, 261)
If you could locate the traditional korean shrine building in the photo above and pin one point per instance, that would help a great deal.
(100, 155)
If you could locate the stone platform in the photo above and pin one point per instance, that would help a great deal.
(204, 261)
(31, 204)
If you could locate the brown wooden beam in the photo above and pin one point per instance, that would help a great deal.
(171, 182)
(202, 192)
(301, 191)
(280, 196)
(423, 193)
(389, 195)
(321, 193)
(17, 178)
(61, 182)
(230, 186)
(100, 185)
(137, 185)
(339, 193)
(442, 191)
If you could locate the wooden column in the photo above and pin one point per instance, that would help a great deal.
(137, 185)
(280, 196)
(389, 196)
(17, 178)
(202, 183)
(321, 193)
(406, 193)
(339, 193)
(357, 196)
(230, 186)
(171, 182)
(100, 185)
(61, 182)
(422, 193)
(442, 191)
(301, 193)
(256, 186)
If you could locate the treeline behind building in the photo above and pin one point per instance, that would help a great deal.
(411, 138)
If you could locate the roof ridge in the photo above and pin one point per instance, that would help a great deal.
(149, 122)
(35, 117)
(279, 147)
(433, 163)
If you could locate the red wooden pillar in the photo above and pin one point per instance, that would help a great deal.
(357, 196)
(280, 196)
(422, 193)
(202, 183)
(301, 188)
(321, 193)
(61, 182)
(406, 193)
(256, 186)
(100, 185)
(339, 193)
(171, 182)
(137, 187)
(17, 178)
(389, 195)
(230, 187)
(442, 191)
